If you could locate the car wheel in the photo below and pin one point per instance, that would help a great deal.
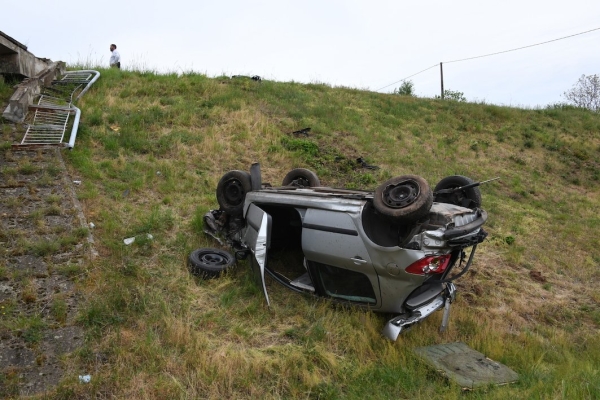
(406, 197)
(231, 191)
(302, 178)
(209, 263)
(470, 198)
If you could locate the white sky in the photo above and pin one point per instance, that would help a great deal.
(355, 43)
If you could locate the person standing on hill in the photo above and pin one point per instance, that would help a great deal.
(115, 58)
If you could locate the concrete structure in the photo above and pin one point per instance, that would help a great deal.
(19, 102)
(15, 59)
(39, 72)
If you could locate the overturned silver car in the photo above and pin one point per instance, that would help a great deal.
(395, 250)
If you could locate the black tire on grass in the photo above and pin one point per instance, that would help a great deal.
(209, 263)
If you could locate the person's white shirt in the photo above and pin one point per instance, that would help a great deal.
(115, 57)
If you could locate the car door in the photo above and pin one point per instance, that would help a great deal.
(342, 265)
(258, 238)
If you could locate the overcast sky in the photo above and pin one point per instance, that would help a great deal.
(360, 44)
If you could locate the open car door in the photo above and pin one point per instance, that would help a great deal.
(258, 238)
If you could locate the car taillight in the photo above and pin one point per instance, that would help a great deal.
(429, 265)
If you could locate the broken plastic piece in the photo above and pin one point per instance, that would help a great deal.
(77, 182)
(303, 132)
(92, 225)
(466, 366)
(364, 164)
(254, 78)
(130, 240)
(85, 378)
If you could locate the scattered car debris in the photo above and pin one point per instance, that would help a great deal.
(130, 240)
(395, 250)
(303, 132)
(209, 263)
(364, 164)
(254, 78)
(467, 367)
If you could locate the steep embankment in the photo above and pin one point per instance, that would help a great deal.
(151, 150)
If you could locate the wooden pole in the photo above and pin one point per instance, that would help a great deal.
(442, 79)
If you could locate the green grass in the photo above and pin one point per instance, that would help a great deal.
(29, 327)
(150, 152)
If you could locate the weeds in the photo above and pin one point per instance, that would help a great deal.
(28, 169)
(58, 310)
(70, 270)
(30, 328)
(44, 247)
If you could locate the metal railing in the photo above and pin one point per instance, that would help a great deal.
(54, 107)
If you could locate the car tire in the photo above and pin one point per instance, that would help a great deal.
(232, 190)
(302, 178)
(406, 197)
(470, 198)
(255, 177)
(209, 263)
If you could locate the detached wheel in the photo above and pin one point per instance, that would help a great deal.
(209, 263)
(406, 197)
(231, 191)
(301, 177)
(470, 198)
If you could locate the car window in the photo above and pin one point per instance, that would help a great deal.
(346, 284)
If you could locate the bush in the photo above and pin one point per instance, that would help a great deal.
(585, 93)
(453, 95)
(406, 89)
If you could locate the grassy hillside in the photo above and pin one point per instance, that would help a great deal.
(150, 152)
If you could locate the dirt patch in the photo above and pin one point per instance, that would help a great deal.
(44, 252)
(537, 276)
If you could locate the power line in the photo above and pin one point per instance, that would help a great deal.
(491, 54)
(403, 79)
(521, 48)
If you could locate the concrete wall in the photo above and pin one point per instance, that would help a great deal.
(18, 104)
(15, 59)
(40, 72)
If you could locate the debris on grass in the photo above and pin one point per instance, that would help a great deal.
(303, 132)
(130, 240)
(363, 163)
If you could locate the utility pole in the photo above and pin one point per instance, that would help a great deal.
(442, 79)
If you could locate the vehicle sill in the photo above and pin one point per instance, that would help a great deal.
(331, 229)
